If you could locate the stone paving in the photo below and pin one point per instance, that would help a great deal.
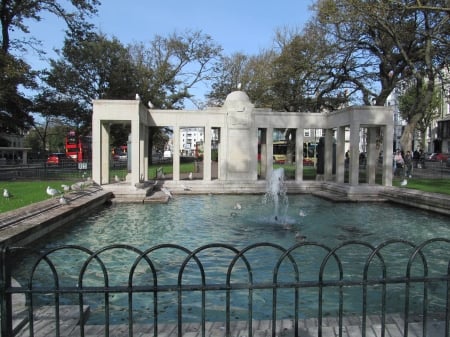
(394, 327)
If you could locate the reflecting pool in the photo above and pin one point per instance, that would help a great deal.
(240, 221)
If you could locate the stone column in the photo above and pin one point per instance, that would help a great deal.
(269, 146)
(134, 176)
(100, 151)
(207, 153)
(372, 155)
(176, 153)
(340, 155)
(328, 158)
(354, 154)
(143, 152)
(263, 153)
(388, 135)
(299, 154)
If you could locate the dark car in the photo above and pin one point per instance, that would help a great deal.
(59, 159)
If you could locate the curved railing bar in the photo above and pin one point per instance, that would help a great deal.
(341, 277)
(95, 256)
(418, 250)
(45, 257)
(193, 255)
(241, 256)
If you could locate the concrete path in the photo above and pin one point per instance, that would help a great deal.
(394, 327)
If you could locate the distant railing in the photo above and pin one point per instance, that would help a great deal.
(219, 282)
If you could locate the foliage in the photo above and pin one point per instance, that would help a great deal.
(15, 108)
(423, 118)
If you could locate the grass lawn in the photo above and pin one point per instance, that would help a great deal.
(27, 192)
(24, 193)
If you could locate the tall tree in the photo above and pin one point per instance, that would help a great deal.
(15, 73)
(385, 42)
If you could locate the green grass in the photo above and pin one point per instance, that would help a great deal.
(28, 192)
(24, 193)
(426, 185)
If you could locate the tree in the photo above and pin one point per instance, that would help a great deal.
(423, 119)
(387, 42)
(94, 67)
(15, 73)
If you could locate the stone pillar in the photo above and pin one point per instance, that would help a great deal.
(269, 152)
(100, 151)
(388, 135)
(299, 154)
(143, 152)
(176, 153)
(263, 154)
(372, 155)
(207, 153)
(340, 155)
(134, 175)
(354, 154)
(328, 158)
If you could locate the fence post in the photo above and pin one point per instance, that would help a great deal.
(6, 297)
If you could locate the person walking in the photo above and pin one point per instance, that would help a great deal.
(408, 160)
(398, 162)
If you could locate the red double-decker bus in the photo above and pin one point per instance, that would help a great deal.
(78, 148)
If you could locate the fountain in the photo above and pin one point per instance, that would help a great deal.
(276, 194)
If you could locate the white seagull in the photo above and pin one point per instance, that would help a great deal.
(167, 192)
(52, 192)
(237, 206)
(63, 200)
(66, 188)
(186, 188)
(137, 97)
(6, 193)
(404, 182)
(116, 178)
(150, 105)
(190, 176)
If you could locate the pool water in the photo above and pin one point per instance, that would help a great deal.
(239, 221)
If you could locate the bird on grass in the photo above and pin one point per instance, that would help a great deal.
(52, 192)
(404, 182)
(190, 176)
(66, 188)
(6, 193)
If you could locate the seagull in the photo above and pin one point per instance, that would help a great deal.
(116, 178)
(137, 97)
(404, 182)
(150, 105)
(190, 176)
(239, 86)
(6, 193)
(186, 188)
(167, 192)
(66, 188)
(52, 192)
(299, 237)
(237, 206)
(63, 200)
(302, 213)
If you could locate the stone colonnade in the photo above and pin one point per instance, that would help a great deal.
(239, 122)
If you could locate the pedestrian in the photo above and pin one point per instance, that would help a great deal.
(398, 161)
(408, 164)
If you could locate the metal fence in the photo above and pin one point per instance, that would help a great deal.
(169, 283)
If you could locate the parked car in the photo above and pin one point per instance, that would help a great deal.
(438, 157)
(59, 159)
(120, 156)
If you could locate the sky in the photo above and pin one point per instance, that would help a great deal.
(246, 26)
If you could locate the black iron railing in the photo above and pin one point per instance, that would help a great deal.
(218, 282)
